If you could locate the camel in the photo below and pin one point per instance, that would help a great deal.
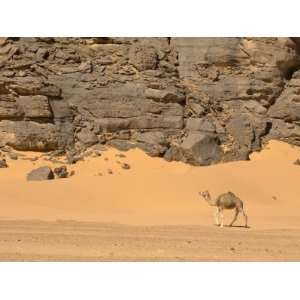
(225, 201)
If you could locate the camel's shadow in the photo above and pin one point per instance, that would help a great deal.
(234, 226)
(237, 226)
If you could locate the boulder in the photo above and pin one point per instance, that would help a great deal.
(152, 149)
(13, 155)
(201, 149)
(61, 172)
(87, 137)
(153, 137)
(121, 144)
(173, 153)
(41, 173)
(200, 124)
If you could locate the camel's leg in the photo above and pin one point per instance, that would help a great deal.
(222, 217)
(235, 216)
(246, 218)
(216, 215)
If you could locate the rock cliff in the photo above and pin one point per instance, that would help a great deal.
(198, 100)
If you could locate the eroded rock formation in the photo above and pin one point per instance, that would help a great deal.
(199, 100)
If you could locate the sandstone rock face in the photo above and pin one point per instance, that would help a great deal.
(198, 100)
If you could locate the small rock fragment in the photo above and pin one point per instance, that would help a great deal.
(72, 173)
(297, 162)
(125, 166)
(61, 172)
(96, 154)
(3, 163)
(6, 149)
(13, 155)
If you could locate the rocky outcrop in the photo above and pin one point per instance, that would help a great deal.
(198, 100)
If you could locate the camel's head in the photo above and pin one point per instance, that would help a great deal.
(205, 195)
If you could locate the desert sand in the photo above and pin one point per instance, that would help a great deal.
(151, 211)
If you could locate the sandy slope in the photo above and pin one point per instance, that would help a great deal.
(155, 192)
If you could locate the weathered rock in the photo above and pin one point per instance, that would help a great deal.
(297, 162)
(165, 95)
(154, 137)
(197, 124)
(13, 155)
(34, 136)
(35, 107)
(61, 172)
(42, 53)
(87, 137)
(121, 145)
(201, 149)
(6, 148)
(125, 166)
(152, 149)
(3, 163)
(143, 57)
(3, 41)
(25, 86)
(240, 127)
(8, 107)
(174, 153)
(41, 173)
(287, 106)
(86, 67)
(70, 157)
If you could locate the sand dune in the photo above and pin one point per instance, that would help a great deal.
(156, 192)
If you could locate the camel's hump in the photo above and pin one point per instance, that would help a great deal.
(231, 194)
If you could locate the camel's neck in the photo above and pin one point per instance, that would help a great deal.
(210, 201)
